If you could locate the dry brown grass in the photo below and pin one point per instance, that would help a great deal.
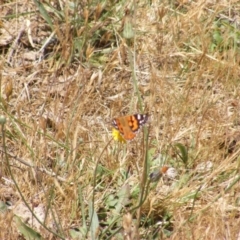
(59, 100)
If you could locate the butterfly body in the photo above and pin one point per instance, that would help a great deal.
(129, 125)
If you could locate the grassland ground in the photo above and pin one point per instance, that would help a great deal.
(68, 68)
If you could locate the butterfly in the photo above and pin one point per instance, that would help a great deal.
(165, 171)
(129, 125)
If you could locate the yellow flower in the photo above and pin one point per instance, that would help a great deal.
(117, 136)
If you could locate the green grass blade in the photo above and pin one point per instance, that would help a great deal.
(44, 13)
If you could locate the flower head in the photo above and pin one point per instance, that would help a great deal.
(117, 136)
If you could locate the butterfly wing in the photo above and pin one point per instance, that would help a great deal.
(136, 121)
(118, 124)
